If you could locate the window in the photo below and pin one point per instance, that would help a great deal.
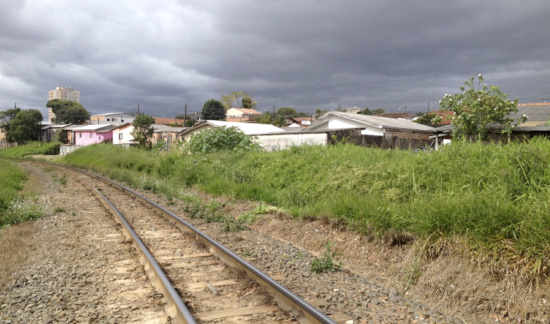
(91, 135)
(108, 119)
(80, 134)
(120, 136)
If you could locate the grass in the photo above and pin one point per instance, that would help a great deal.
(494, 196)
(32, 148)
(327, 262)
(13, 208)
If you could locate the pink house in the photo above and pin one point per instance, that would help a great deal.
(93, 134)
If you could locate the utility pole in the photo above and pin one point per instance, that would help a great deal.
(138, 110)
(273, 115)
(428, 107)
(184, 115)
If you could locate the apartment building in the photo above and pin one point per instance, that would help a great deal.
(62, 93)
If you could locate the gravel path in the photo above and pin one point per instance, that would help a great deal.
(77, 274)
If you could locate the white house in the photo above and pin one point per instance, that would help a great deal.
(369, 125)
(117, 117)
(122, 135)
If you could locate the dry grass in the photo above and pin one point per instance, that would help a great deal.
(16, 245)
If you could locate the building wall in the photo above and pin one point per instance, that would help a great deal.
(404, 140)
(118, 118)
(275, 142)
(166, 136)
(62, 93)
(123, 135)
(84, 138)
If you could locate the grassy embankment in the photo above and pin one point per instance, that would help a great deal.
(12, 207)
(32, 148)
(493, 197)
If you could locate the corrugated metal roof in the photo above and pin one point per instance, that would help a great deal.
(534, 112)
(380, 122)
(93, 127)
(248, 128)
(164, 128)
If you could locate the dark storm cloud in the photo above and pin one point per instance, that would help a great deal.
(304, 54)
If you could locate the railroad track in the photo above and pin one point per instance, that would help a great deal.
(201, 280)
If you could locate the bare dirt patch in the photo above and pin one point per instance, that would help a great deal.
(16, 243)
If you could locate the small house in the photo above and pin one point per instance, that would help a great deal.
(93, 134)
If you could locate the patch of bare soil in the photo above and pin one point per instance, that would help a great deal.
(16, 242)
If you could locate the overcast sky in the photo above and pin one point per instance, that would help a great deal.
(304, 54)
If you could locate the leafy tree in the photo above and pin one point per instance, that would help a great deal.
(286, 112)
(189, 122)
(62, 136)
(320, 112)
(366, 112)
(21, 125)
(429, 119)
(220, 138)
(143, 131)
(69, 112)
(477, 110)
(248, 103)
(269, 118)
(213, 109)
(378, 111)
(235, 99)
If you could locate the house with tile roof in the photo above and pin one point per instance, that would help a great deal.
(241, 115)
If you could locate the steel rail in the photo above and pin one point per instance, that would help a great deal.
(176, 307)
(285, 298)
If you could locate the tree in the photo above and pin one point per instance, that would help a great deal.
(378, 111)
(220, 138)
(143, 131)
(21, 125)
(235, 100)
(213, 109)
(429, 119)
(247, 103)
(320, 112)
(69, 112)
(286, 112)
(366, 112)
(269, 118)
(477, 110)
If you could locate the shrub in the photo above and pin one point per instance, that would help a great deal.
(327, 262)
(220, 138)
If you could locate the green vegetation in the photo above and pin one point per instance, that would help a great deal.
(326, 263)
(32, 148)
(68, 112)
(477, 110)
(59, 209)
(13, 208)
(493, 196)
(220, 138)
(143, 131)
(213, 109)
(21, 125)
